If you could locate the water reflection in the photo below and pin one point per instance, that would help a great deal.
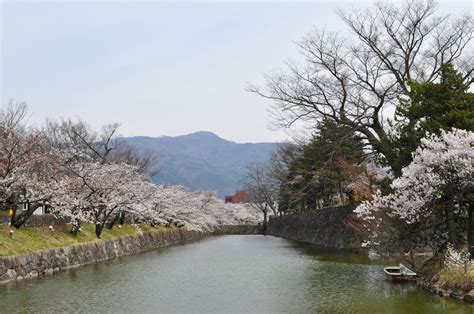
(226, 274)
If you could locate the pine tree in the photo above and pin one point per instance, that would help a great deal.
(429, 108)
(317, 178)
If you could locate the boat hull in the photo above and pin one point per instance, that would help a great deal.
(393, 274)
(400, 278)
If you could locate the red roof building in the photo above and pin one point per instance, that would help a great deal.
(240, 196)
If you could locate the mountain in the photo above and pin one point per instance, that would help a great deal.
(202, 160)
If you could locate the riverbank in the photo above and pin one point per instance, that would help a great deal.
(454, 283)
(61, 254)
(33, 239)
(434, 288)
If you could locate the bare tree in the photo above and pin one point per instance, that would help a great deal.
(353, 80)
(97, 145)
(13, 151)
(278, 168)
(262, 189)
(281, 160)
(105, 146)
(145, 161)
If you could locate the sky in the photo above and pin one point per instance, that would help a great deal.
(157, 68)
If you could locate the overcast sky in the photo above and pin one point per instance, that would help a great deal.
(157, 68)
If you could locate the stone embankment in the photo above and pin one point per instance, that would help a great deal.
(327, 227)
(468, 298)
(48, 261)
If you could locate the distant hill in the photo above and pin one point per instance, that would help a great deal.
(202, 160)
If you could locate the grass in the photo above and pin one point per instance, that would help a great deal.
(456, 279)
(27, 240)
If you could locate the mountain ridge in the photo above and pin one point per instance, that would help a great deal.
(201, 160)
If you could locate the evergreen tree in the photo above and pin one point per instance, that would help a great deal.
(429, 108)
(317, 178)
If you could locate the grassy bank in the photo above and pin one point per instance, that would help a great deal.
(456, 280)
(27, 240)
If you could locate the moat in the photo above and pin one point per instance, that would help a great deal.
(226, 274)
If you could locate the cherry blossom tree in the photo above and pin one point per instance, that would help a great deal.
(27, 164)
(95, 192)
(199, 210)
(90, 176)
(432, 200)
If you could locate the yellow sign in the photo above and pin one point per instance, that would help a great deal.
(10, 212)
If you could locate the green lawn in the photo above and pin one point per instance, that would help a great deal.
(27, 240)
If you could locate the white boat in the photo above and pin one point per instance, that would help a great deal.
(399, 273)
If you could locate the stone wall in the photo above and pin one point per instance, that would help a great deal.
(52, 260)
(326, 228)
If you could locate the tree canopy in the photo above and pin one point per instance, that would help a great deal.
(429, 108)
(321, 174)
(431, 203)
(89, 176)
(353, 79)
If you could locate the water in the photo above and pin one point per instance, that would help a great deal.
(226, 274)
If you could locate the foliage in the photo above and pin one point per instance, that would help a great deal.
(328, 170)
(431, 201)
(353, 77)
(88, 177)
(429, 107)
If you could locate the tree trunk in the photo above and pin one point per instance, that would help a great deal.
(377, 144)
(341, 194)
(121, 218)
(412, 258)
(451, 224)
(110, 224)
(470, 230)
(19, 220)
(98, 229)
(75, 228)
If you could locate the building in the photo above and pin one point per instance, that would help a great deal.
(39, 211)
(240, 196)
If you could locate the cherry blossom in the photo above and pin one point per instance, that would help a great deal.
(431, 192)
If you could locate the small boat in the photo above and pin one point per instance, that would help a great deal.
(399, 273)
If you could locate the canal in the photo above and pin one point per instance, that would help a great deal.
(226, 274)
